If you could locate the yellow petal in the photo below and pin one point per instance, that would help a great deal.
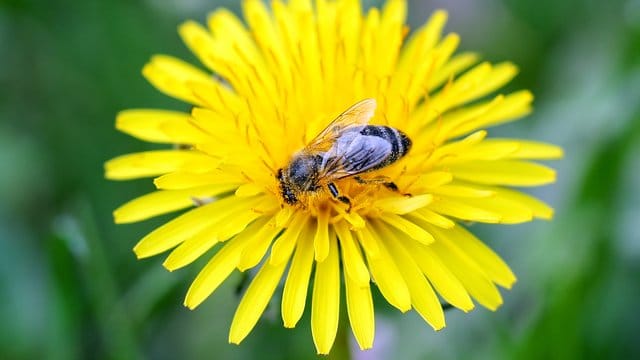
(283, 216)
(451, 68)
(402, 204)
(419, 220)
(237, 154)
(293, 45)
(447, 285)
(538, 208)
(500, 75)
(461, 210)
(453, 149)
(349, 23)
(423, 298)
(423, 39)
(215, 272)
(353, 218)
(368, 242)
(456, 92)
(180, 133)
(528, 149)
(199, 41)
(244, 64)
(159, 126)
(510, 212)
(428, 60)
(508, 108)
(445, 49)
(321, 243)
(255, 300)
(224, 23)
(186, 179)
(462, 191)
(394, 12)
(352, 261)
(360, 312)
(257, 247)
(430, 181)
(261, 25)
(325, 308)
(233, 224)
(326, 17)
(433, 218)
(162, 202)
(485, 150)
(170, 76)
(475, 83)
(467, 271)
(194, 247)
(390, 35)
(490, 263)
(294, 294)
(157, 162)
(221, 127)
(408, 227)
(453, 121)
(386, 274)
(250, 189)
(504, 172)
(184, 226)
(283, 246)
(219, 115)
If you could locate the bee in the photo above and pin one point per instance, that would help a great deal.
(346, 148)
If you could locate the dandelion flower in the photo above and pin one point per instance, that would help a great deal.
(274, 82)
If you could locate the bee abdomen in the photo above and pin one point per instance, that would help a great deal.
(399, 141)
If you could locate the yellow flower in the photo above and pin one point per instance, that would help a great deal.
(270, 88)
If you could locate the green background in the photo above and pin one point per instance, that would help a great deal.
(72, 288)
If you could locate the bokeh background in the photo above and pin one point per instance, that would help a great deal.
(70, 286)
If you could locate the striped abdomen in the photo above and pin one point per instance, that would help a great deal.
(399, 141)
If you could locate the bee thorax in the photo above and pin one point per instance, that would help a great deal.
(302, 173)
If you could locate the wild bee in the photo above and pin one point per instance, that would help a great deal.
(346, 148)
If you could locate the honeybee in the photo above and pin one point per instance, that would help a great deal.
(346, 148)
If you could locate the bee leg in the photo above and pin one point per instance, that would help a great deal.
(380, 180)
(336, 194)
(376, 180)
(391, 186)
(362, 181)
(345, 200)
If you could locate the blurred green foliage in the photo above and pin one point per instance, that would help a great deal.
(72, 288)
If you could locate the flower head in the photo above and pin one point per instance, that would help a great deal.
(271, 86)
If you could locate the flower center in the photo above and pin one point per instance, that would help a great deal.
(361, 197)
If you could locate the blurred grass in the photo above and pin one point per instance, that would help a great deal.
(72, 288)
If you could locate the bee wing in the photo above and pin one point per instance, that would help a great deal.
(354, 153)
(357, 115)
